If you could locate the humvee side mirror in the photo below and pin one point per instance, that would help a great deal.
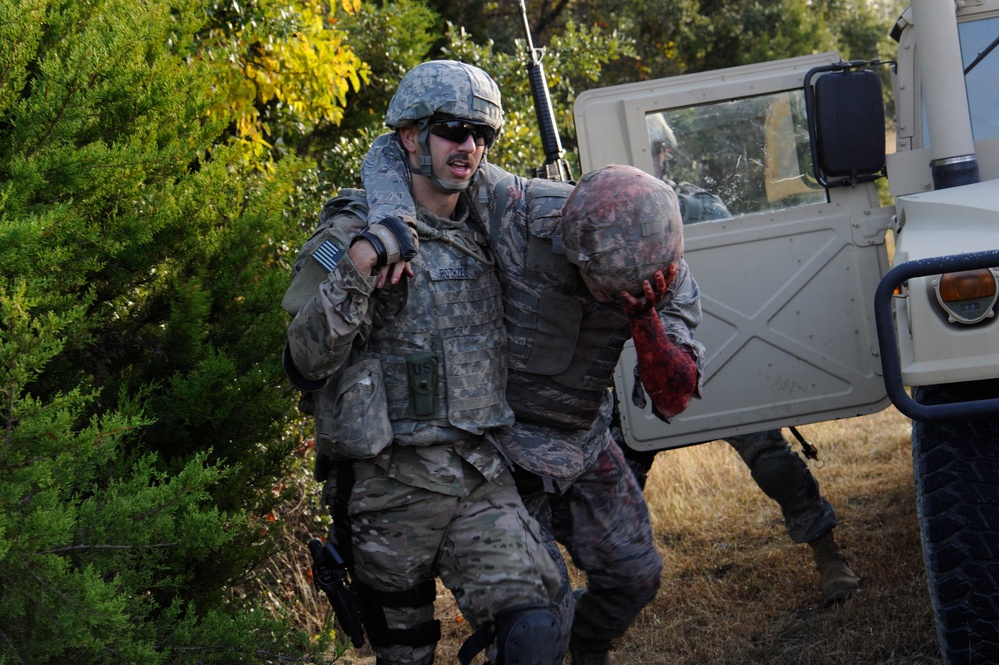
(846, 123)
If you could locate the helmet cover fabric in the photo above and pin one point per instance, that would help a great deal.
(446, 87)
(620, 225)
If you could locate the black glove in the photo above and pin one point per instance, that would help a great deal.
(392, 239)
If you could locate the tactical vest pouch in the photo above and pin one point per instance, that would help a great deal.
(357, 426)
(422, 371)
(559, 320)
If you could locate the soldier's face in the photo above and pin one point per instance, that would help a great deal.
(662, 155)
(455, 163)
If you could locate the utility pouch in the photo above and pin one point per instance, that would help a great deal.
(422, 371)
(357, 425)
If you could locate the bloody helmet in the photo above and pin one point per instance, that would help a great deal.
(619, 226)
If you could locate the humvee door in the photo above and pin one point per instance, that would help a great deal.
(787, 274)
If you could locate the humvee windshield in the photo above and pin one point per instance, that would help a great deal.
(754, 152)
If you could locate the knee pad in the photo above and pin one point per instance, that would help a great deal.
(525, 635)
(780, 476)
(528, 636)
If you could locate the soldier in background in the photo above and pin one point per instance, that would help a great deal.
(583, 270)
(696, 203)
(776, 468)
(406, 384)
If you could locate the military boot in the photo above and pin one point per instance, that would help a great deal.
(838, 581)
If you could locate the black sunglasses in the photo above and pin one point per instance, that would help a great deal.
(457, 131)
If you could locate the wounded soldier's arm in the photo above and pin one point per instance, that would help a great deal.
(386, 179)
(669, 360)
(385, 174)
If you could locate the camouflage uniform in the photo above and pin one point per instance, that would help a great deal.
(564, 346)
(785, 478)
(415, 384)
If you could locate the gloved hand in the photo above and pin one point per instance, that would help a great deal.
(392, 239)
(635, 307)
(668, 372)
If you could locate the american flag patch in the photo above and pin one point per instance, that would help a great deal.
(328, 255)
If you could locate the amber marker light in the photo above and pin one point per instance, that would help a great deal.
(968, 296)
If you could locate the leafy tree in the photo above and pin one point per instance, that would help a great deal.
(391, 38)
(679, 36)
(145, 413)
(574, 60)
(313, 80)
(289, 68)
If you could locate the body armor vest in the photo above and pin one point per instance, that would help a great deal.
(563, 344)
(443, 354)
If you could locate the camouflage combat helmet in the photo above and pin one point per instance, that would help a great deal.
(619, 226)
(444, 88)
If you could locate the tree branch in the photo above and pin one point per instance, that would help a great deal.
(85, 546)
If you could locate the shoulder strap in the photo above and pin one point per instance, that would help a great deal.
(349, 200)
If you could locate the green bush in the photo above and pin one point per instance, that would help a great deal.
(145, 413)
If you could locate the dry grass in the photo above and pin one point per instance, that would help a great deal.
(735, 588)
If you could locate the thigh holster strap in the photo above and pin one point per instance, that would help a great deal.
(374, 602)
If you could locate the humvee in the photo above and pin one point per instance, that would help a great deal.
(820, 300)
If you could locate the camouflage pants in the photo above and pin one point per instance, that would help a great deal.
(484, 546)
(603, 522)
(785, 478)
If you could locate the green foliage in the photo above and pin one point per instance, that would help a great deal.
(391, 38)
(145, 412)
(289, 68)
(574, 61)
(679, 36)
(90, 542)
